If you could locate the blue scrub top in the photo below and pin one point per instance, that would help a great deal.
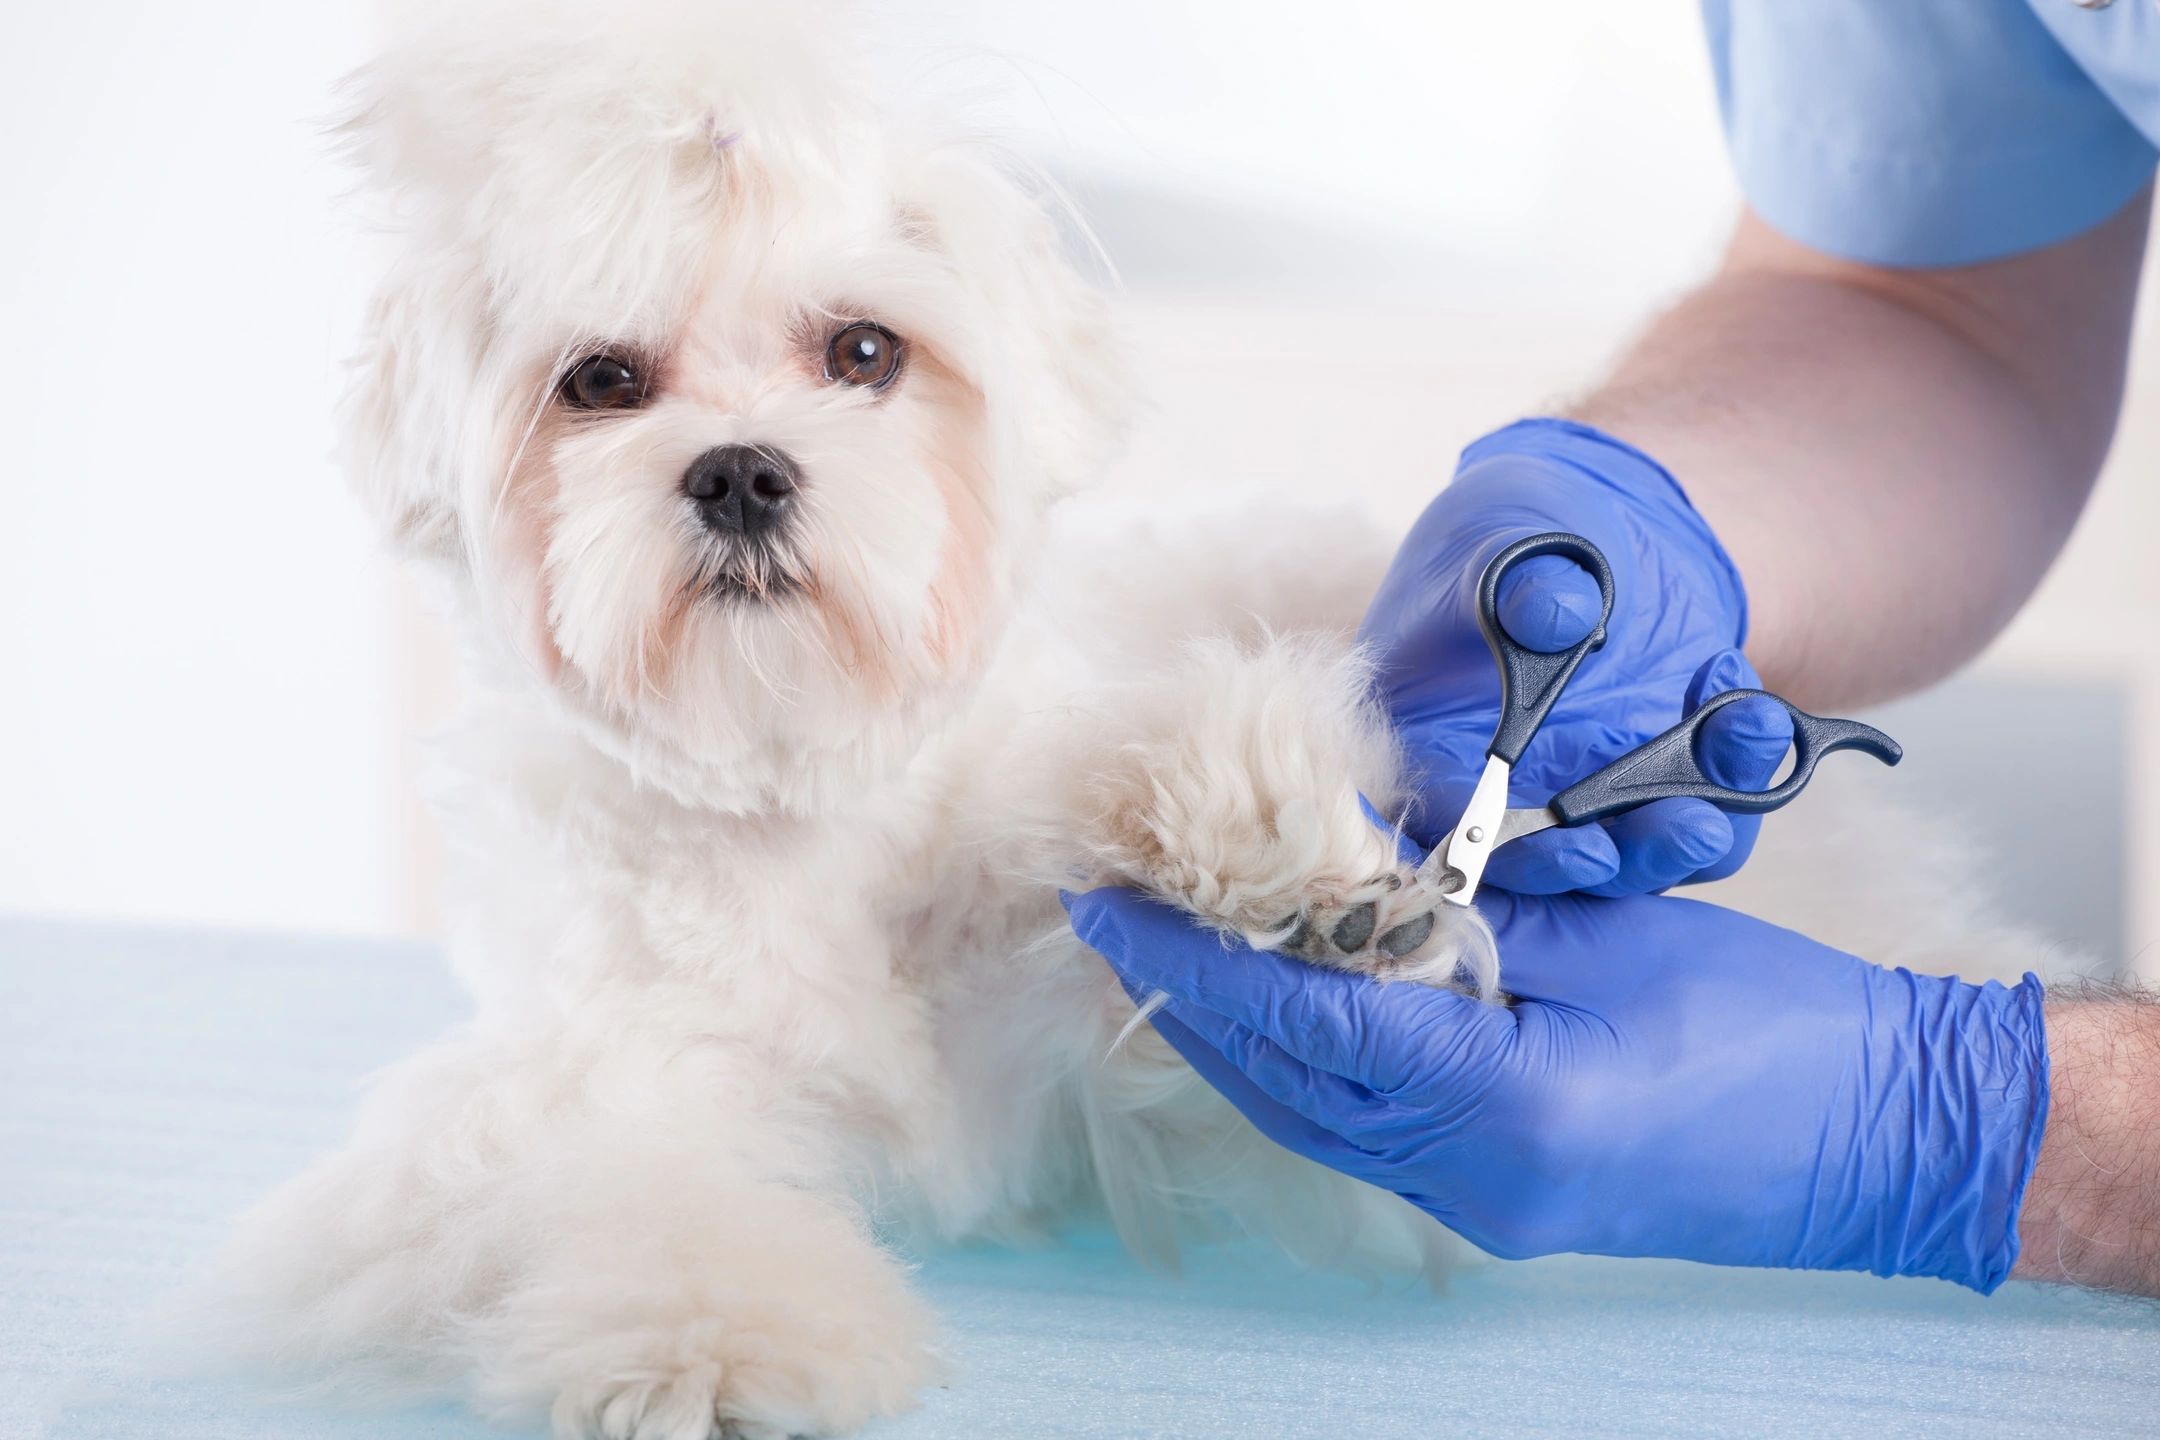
(1937, 132)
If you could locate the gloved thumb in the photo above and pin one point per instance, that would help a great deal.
(1742, 747)
(1548, 602)
(1346, 1025)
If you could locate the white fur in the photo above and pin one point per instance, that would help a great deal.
(756, 898)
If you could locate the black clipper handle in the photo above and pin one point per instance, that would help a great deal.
(1530, 680)
(1666, 768)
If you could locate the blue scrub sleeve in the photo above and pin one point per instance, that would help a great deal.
(1917, 132)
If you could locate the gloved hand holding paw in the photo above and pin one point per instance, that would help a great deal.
(1671, 1079)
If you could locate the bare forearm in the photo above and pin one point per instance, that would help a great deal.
(1873, 443)
(1858, 462)
(2092, 1212)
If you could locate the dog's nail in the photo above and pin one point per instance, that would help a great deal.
(1406, 937)
(1356, 927)
(1391, 880)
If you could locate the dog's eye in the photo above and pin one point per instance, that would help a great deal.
(603, 382)
(863, 354)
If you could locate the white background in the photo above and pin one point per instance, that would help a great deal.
(1428, 216)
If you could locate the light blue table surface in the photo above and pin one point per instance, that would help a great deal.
(151, 1083)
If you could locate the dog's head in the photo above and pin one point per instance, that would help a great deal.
(730, 399)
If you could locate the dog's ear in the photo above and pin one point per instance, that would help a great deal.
(410, 394)
(1049, 346)
(409, 398)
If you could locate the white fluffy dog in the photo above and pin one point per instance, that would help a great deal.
(730, 405)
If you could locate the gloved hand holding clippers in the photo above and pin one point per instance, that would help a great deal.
(1673, 643)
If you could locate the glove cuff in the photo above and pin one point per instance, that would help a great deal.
(2015, 1069)
(1585, 454)
(1977, 1083)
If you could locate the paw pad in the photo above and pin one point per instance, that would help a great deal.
(1356, 927)
(1405, 938)
(1371, 934)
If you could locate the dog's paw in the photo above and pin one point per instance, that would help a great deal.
(1329, 892)
(1356, 908)
(723, 1379)
(746, 1311)
(1239, 800)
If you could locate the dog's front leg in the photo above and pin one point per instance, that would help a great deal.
(638, 1235)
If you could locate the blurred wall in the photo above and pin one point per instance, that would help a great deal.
(1350, 238)
(194, 720)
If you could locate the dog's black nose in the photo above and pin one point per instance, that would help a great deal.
(741, 489)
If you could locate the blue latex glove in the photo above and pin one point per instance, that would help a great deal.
(1679, 618)
(1673, 1079)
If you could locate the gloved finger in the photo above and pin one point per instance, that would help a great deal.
(1548, 602)
(1340, 1023)
(1318, 1095)
(1553, 862)
(1743, 744)
(1741, 747)
(1270, 1107)
(1662, 844)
